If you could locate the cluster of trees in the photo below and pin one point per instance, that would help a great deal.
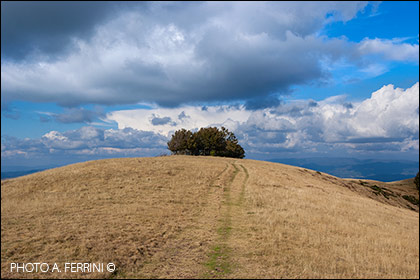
(208, 141)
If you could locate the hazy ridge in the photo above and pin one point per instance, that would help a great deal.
(372, 169)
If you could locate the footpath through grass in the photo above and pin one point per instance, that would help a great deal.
(219, 264)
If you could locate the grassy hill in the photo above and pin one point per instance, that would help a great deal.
(188, 217)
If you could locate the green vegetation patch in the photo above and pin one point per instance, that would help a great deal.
(381, 191)
(218, 264)
(411, 199)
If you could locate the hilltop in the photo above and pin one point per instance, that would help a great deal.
(189, 217)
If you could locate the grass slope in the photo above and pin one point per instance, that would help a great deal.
(189, 217)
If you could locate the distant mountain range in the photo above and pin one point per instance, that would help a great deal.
(12, 171)
(13, 174)
(381, 170)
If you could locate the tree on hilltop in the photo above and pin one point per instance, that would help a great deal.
(208, 141)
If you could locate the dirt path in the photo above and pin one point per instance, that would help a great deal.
(219, 264)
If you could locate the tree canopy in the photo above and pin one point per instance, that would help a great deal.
(208, 141)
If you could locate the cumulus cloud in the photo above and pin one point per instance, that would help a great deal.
(85, 143)
(388, 120)
(48, 28)
(171, 119)
(162, 121)
(92, 137)
(172, 54)
(390, 112)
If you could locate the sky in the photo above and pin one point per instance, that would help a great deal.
(90, 80)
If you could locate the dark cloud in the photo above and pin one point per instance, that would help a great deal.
(164, 53)
(47, 26)
(239, 69)
(72, 115)
(312, 103)
(182, 116)
(296, 110)
(161, 121)
(348, 105)
(264, 102)
(77, 115)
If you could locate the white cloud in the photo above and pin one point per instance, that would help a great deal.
(390, 112)
(56, 140)
(386, 122)
(86, 143)
(390, 115)
(188, 117)
(390, 49)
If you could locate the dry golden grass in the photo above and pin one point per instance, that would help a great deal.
(188, 217)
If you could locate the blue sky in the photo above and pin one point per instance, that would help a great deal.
(90, 80)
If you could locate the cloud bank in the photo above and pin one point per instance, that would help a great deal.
(390, 113)
(386, 122)
(177, 53)
(86, 143)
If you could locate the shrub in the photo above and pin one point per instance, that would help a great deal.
(180, 142)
